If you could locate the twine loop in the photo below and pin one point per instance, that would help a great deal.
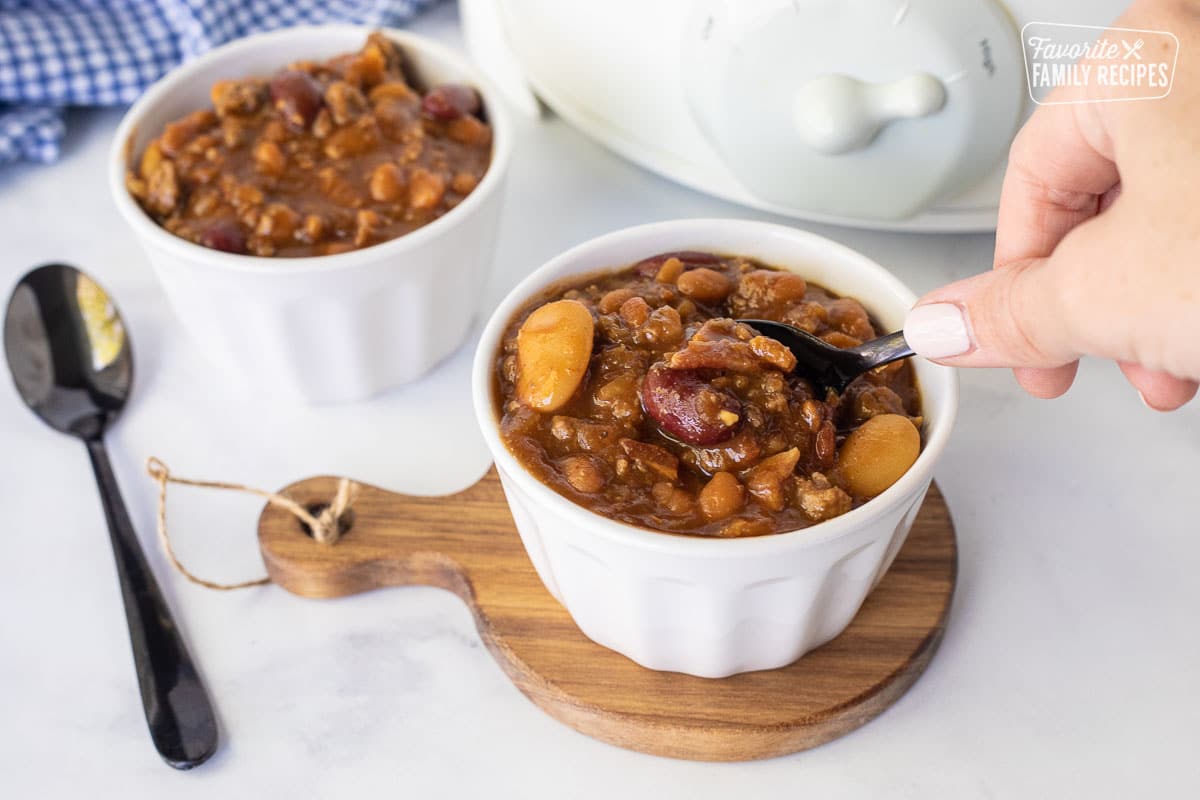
(325, 525)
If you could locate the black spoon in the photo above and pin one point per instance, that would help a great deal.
(829, 366)
(71, 361)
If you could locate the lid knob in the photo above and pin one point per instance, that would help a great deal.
(837, 114)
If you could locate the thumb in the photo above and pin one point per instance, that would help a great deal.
(1009, 317)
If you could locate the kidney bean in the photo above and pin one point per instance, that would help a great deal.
(450, 101)
(224, 234)
(296, 96)
(688, 408)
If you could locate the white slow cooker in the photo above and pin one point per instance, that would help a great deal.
(893, 114)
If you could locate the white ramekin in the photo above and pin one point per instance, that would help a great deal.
(326, 329)
(715, 607)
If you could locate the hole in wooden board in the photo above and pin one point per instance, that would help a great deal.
(345, 521)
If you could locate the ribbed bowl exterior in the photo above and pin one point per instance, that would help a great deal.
(327, 329)
(699, 605)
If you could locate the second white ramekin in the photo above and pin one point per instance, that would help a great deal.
(327, 329)
(703, 606)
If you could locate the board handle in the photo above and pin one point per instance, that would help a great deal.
(387, 539)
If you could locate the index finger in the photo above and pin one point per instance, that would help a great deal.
(1059, 166)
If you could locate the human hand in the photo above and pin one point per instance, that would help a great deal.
(1097, 245)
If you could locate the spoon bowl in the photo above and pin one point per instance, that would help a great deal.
(828, 366)
(72, 363)
(67, 350)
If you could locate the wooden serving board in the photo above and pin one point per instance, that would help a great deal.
(467, 543)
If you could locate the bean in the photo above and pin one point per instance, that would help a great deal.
(277, 223)
(635, 311)
(554, 346)
(387, 183)
(323, 124)
(670, 271)
(582, 473)
(464, 183)
(875, 455)
(614, 299)
(269, 158)
(152, 159)
(689, 408)
(649, 267)
(663, 328)
(450, 101)
(848, 316)
(722, 496)
(789, 287)
(426, 189)
(826, 444)
(368, 68)
(177, 135)
(741, 528)
(392, 90)
(840, 340)
(224, 234)
(671, 497)
(704, 285)
(351, 141)
(296, 96)
(766, 294)
(313, 228)
(469, 131)
(808, 316)
(367, 225)
(813, 414)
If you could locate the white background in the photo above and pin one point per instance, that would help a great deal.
(1069, 668)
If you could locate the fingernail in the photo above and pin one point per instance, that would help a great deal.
(938, 330)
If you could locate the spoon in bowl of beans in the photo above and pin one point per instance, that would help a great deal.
(832, 367)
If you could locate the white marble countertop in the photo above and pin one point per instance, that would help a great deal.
(1069, 667)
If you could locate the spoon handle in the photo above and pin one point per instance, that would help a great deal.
(178, 711)
(883, 350)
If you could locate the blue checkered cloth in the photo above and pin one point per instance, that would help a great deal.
(57, 53)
